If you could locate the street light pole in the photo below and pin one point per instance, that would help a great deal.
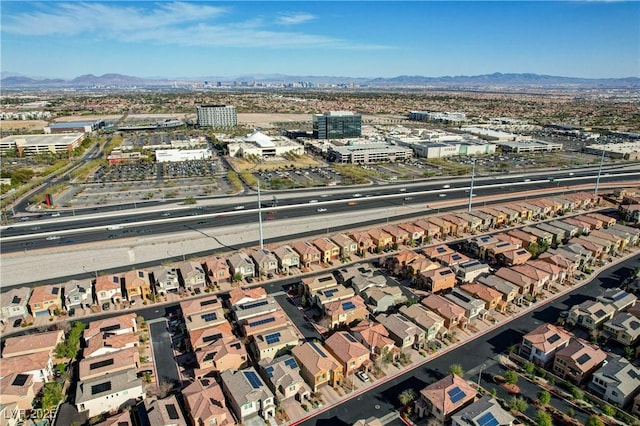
(260, 218)
(473, 175)
(480, 375)
(599, 172)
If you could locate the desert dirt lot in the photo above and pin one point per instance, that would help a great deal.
(23, 124)
(242, 165)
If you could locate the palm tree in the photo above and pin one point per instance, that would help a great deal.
(456, 369)
(407, 396)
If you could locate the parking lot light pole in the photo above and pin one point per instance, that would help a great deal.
(260, 218)
(473, 175)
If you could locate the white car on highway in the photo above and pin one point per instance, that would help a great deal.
(320, 210)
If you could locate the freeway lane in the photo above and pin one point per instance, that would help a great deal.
(384, 399)
(37, 235)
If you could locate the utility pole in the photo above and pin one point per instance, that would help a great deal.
(599, 171)
(260, 218)
(473, 175)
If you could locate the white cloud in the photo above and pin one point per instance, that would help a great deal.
(294, 18)
(177, 23)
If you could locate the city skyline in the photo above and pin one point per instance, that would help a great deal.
(352, 39)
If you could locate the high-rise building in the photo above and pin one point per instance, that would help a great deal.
(337, 125)
(217, 116)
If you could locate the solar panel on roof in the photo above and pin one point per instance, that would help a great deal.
(619, 296)
(456, 394)
(330, 293)
(583, 358)
(253, 379)
(456, 257)
(209, 317)
(212, 338)
(100, 364)
(317, 349)
(272, 338)
(347, 306)
(600, 313)
(99, 388)
(15, 300)
(209, 356)
(110, 328)
(20, 380)
(256, 304)
(488, 419)
(172, 412)
(291, 362)
(116, 280)
(262, 321)
(446, 272)
(503, 244)
(55, 290)
(208, 302)
(350, 338)
(269, 371)
(441, 250)
(553, 338)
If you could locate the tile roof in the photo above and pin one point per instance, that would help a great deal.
(449, 393)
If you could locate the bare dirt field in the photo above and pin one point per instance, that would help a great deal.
(87, 118)
(242, 165)
(266, 120)
(28, 125)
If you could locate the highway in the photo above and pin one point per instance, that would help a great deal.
(228, 211)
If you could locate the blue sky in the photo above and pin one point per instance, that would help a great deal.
(325, 38)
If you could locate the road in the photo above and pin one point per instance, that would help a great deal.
(165, 363)
(63, 231)
(383, 399)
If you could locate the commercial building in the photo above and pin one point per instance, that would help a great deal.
(216, 116)
(41, 144)
(443, 117)
(263, 146)
(624, 151)
(440, 147)
(529, 146)
(74, 127)
(368, 153)
(176, 155)
(337, 125)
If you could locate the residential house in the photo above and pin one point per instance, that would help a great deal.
(583, 227)
(541, 344)
(567, 204)
(244, 299)
(226, 352)
(416, 234)
(121, 324)
(345, 311)
(577, 361)
(623, 328)
(461, 225)
(309, 254)
(273, 343)
(591, 314)
(375, 337)
(77, 293)
(317, 365)
(630, 212)
(427, 320)
(192, 275)
(541, 279)
(108, 342)
(324, 297)
(499, 218)
(137, 284)
(473, 307)
(523, 282)
(470, 270)
(511, 216)
(217, 270)
(510, 293)
(544, 237)
(514, 257)
(397, 263)
(437, 280)
(556, 258)
(452, 313)
(546, 209)
(484, 412)
(166, 279)
(399, 236)
(265, 261)
(620, 299)
(381, 240)
(311, 285)
(477, 246)
(287, 257)
(381, 299)
(599, 247)
(17, 394)
(284, 379)
(445, 228)
(264, 323)
(207, 333)
(491, 297)
(108, 289)
(453, 259)
(569, 229)
(247, 394)
(607, 221)
(403, 332)
(348, 247)
(533, 212)
(445, 398)
(14, 304)
(436, 252)
(626, 238)
(39, 365)
(524, 237)
(241, 266)
(623, 230)
(583, 255)
(486, 220)
(329, 250)
(474, 223)
(99, 366)
(32, 343)
(431, 231)
(593, 222)
(205, 403)
(202, 313)
(350, 353)
(161, 412)
(108, 393)
(558, 234)
(616, 382)
(617, 240)
(524, 212)
(363, 240)
(557, 275)
(496, 253)
(45, 300)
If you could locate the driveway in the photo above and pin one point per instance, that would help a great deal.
(298, 318)
(165, 363)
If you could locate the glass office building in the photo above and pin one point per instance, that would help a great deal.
(337, 125)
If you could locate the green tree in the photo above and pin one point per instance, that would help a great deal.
(456, 369)
(594, 421)
(511, 377)
(51, 395)
(544, 397)
(407, 396)
(571, 412)
(190, 200)
(518, 404)
(543, 418)
(529, 367)
(577, 393)
(238, 276)
(609, 410)
(70, 346)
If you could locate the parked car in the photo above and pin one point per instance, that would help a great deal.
(72, 312)
(362, 376)
(105, 306)
(17, 323)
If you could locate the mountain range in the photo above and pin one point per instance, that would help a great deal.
(497, 80)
